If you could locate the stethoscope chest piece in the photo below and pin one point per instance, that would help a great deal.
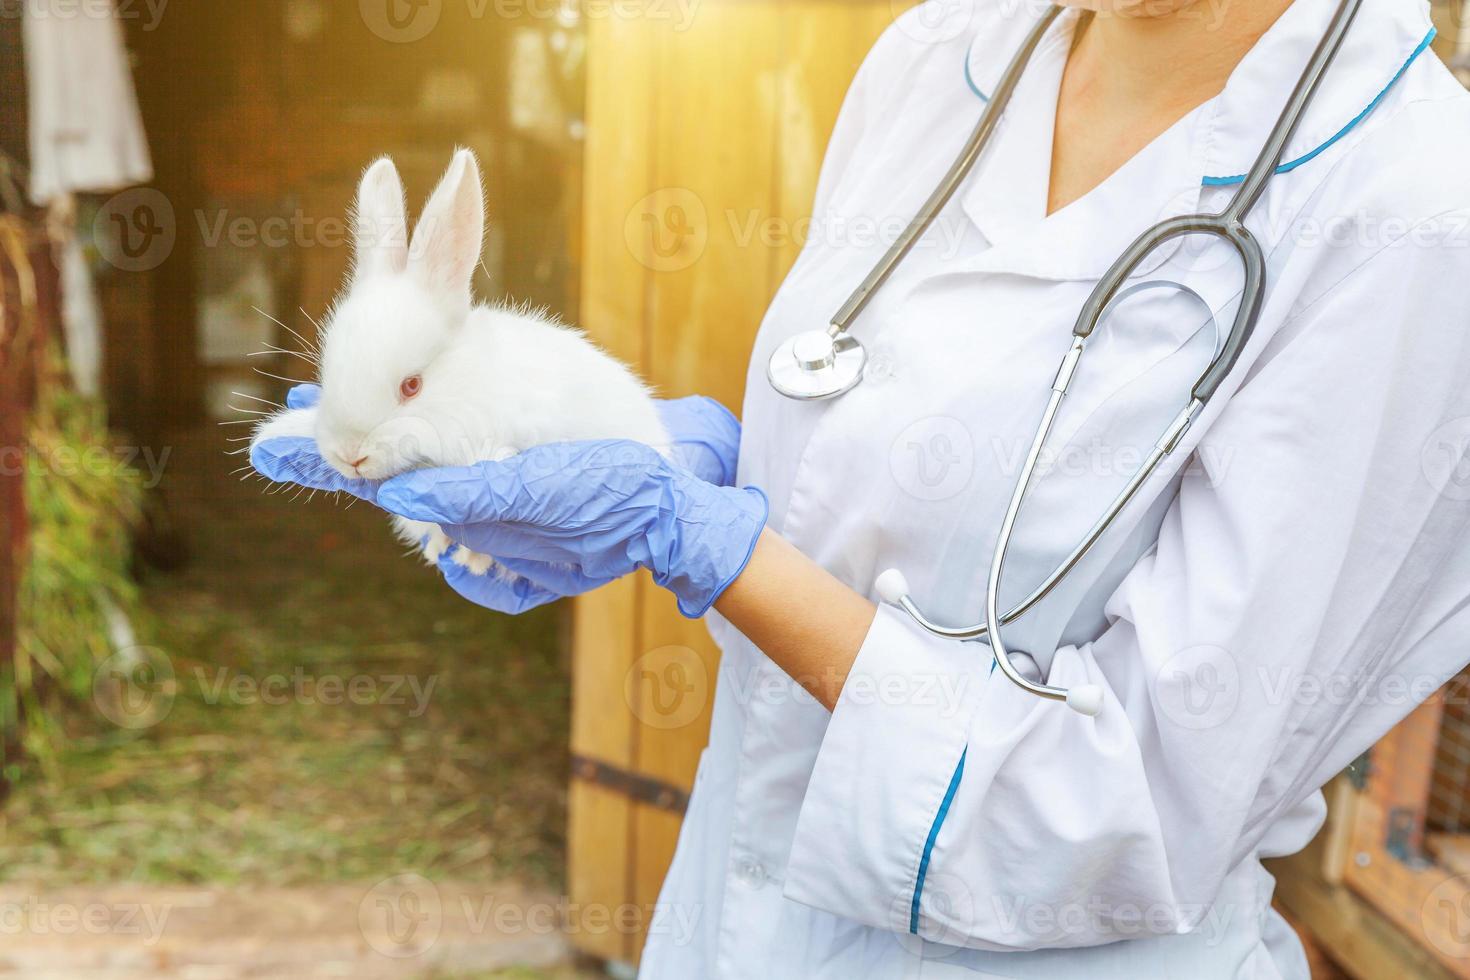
(814, 365)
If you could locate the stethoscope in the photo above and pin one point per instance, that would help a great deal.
(821, 364)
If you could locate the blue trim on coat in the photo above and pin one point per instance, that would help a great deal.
(970, 79)
(954, 784)
(1290, 165)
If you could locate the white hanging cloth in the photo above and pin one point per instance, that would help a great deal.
(86, 133)
(81, 319)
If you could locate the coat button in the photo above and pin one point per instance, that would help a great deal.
(879, 368)
(751, 873)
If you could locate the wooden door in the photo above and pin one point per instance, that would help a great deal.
(704, 139)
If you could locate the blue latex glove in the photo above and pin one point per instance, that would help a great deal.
(304, 396)
(590, 512)
(706, 438)
(706, 441)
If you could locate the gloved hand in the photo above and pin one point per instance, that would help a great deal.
(590, 512)
(304, 396)
(706, 438)
(706, 444)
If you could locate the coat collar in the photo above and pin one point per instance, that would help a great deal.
(1383, 41)
(1211, 147)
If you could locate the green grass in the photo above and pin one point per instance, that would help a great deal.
(223, 790)
(80, 503)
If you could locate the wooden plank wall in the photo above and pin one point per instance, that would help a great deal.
(695, 131)
(1427, 901)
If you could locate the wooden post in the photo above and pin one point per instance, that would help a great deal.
(698, 132)
(28, 305)
(15, 391)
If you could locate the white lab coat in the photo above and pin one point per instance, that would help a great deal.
(1287, 587)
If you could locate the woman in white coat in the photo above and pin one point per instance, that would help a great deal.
(875, 801)
(1289, 592)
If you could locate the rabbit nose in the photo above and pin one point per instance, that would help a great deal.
(357, 463)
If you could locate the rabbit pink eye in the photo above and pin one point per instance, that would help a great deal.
(411, 387)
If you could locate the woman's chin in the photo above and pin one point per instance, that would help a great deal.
(1131, 9)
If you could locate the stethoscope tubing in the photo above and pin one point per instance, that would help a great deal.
(1228, 225)
(950, 183)
(1166, 443)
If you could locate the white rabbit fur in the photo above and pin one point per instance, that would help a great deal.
(495, 381)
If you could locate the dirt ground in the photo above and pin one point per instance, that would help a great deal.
(323, 718)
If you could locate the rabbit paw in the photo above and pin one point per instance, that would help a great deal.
(434, 544)
(427, 539)
(477, 564)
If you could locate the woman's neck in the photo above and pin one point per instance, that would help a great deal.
(1129, 78)
(1179, 59)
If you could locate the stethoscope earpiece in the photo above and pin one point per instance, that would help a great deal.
(892, 587)
(1086, 700)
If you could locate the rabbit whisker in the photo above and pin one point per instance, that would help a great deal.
(308, 344)
(293, 381)
(254, 398)
(271, 351)
(315, 348)
(270, 318)
(305, 355)
(274, 351)
(310, 318)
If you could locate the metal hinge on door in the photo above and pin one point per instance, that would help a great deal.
(643, 789)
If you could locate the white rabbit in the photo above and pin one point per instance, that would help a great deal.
(414, 374)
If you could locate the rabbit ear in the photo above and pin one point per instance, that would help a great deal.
(447, 242)
(379, 222)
